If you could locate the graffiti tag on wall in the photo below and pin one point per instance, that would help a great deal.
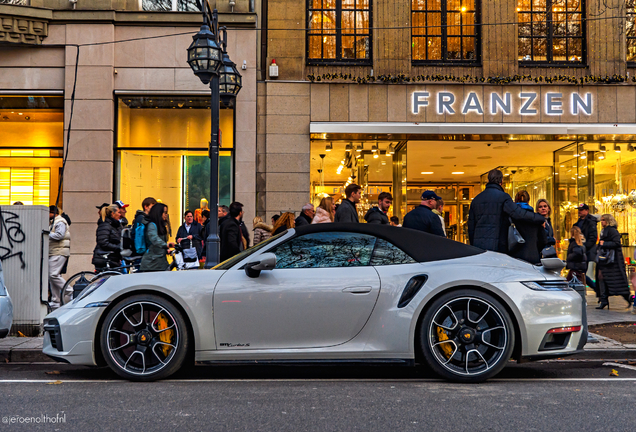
(11, 229)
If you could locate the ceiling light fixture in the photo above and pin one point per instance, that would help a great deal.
(349, 147)
(427, 172)
(360, 148)
(374, 148)
(390, 150)
(457, 172)
(329, 147)
(602, 148)
(630, 147)
(617, 148)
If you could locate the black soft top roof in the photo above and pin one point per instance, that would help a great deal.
(421, 246)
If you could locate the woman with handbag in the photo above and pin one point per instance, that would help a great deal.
(576, 261)
(610, 264)
(534, 235)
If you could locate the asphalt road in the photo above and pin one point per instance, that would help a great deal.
(546, 396)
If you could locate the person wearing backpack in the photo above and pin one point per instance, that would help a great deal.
(139, 227)
(157, 240)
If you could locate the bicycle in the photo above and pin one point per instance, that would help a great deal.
(83, 278)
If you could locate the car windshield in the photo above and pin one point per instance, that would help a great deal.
(229, 263)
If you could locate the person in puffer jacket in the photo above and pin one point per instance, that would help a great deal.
(576, 260)
(262, 231)
(107, 252)
(325, 211)
(378, 215)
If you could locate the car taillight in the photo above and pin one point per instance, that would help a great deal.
(565, 329)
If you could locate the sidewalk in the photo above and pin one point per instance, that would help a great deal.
(23, 349)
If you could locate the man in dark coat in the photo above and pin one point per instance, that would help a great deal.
(378, 214)
(230, 232)
(422, 217)
(306, 215)
(346, 211)
(490, 213)
(587, 224)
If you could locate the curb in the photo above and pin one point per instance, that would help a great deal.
(603, 354)
(24, 355)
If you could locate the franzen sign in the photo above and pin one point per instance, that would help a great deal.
(524, 103)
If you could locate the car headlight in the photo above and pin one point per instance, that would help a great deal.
(90, 288)
(548, 286)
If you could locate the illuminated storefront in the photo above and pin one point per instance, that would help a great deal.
(545, 142)
(162, 151)
(30, 149)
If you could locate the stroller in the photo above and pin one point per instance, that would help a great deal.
(184, 258)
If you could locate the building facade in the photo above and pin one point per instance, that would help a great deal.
(140, 121)
(408, 95)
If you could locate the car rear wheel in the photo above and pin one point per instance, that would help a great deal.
(467, 336)
(144, 338)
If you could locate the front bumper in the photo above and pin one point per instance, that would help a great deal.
(6, 315)
(69, 335)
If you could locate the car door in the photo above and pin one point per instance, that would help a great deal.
(320, 294)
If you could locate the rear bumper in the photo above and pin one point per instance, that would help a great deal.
(540, 311)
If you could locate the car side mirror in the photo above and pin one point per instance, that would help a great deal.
(266, 261)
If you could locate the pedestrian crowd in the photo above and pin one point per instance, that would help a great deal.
(496, 222)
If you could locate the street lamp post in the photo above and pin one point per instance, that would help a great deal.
(207, 56)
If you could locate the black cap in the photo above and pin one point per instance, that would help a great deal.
(99, 207)
(584, 206)
(429, 194)
(53, 209)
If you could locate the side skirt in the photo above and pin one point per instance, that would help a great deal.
(370, 362)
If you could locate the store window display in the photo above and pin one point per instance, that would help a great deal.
(162, 151)
(31, 149)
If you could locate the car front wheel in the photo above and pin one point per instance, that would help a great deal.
(144, 338)
(467, 336)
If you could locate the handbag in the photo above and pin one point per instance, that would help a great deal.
(515, 240)
(548, 252)
(605, 256)
(190, 254)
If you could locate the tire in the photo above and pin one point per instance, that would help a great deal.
(135, 345)
(466, 336)
(67, 290)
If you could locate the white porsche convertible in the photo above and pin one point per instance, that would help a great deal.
(327, 293)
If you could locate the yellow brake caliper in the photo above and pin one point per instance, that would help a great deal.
(447, 348)
(165, 336)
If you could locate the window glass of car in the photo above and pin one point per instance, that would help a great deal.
(229, 263)
(325, 249)
(386, 253)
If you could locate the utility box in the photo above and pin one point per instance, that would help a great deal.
(24, 251)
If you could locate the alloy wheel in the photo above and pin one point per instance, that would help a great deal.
(468, 336)
(142, 338)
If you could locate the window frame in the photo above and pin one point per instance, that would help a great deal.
(338, 61)
(550, 37)
(444, 38)
(630, 63)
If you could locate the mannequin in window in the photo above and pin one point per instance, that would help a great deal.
(197, 212)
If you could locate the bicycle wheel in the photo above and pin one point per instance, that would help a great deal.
(69, 286)
(108, 273)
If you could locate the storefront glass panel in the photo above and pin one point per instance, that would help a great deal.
(163, 153)
(31, 149)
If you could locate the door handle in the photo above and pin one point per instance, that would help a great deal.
(357, 290)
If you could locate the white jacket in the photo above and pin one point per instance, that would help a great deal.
(321, 216)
